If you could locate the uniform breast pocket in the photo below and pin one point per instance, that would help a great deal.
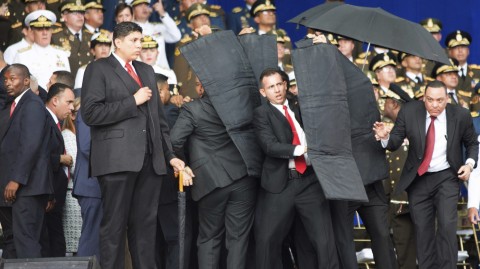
(112, 134)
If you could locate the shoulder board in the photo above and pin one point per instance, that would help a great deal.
(52, 1)
(236, 10)
(474, 66)
(464, 93)
(58, 30)
(177, 22)
(104, 31)
(24, 49)
(429, 78)
(215, 7)
(361, 61)
(363, 54)
(213, 14)
(399, 79)
(58, 24)
(474, 114)
(287, 38)
(16, 25)
(186, 39)
(59, 48)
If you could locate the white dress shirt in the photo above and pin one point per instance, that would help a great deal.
(300, 149)
(464, 67)
(454, 94)
(413, 76)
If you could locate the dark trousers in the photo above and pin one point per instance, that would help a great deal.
(53, 236)
(374, 216)
(434, 196)
(28, 216)
(403, 238)
(275, 214)
(342, 229)
(89, 242)
(129, 199)
(228, 212)
(6, 221)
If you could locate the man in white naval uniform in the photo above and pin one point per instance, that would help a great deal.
(27, 40)
(164, 32)
(42, 59)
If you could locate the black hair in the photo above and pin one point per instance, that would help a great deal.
(436, 84)
(23, 70)
(65, 77)
(55, 90)
(269, 72)
(125, 28)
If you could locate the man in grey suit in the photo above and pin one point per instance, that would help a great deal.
(225, 192)
(130, 148)
(437, 133)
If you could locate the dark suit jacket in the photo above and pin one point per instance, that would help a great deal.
(118, 126)
(24, 151)
(57, 148)
(275, 137)
(411, 122)
(83, 184)
(214, 158)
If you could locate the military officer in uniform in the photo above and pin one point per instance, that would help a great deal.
(197, 16)
(399, 215)
(240, 17)
(16, 32)
(100, 47)
(458, 45)
(42, 59)
(27, 40)
(73, 37)
(411, 75)
(383, 65)
(94, 17)
(164, 32)
(287, 68)
(448, 74)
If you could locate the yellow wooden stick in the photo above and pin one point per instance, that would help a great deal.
(180, 181)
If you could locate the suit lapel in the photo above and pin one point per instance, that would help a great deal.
(296, 111)
(129, 82)
(140, 73)
(451, 122)
(280, 117)
(421, 121)
(18, 107)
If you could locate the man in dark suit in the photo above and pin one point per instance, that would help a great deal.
(87, 191)
(130, 148)
(437, 133)
(289, 184)
(25, 172)
(225, 192)
(59, 104)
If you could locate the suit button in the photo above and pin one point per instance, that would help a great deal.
(144, 131)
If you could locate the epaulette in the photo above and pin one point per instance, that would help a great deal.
(58, 30)
(464, 93)
(58, 24)
(104, 31)
(24, 49)
(399, 79)
(474, 66)
(429, 78)
(215, 7)
(362, 55)
(361, 60)
(186, 39)
(60, 48)
(287, 38)
(474, 114)
(236, 10)
(16, 25)
(177, 22)
(52, 1)
(213, 14)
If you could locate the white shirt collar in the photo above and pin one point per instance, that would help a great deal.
(91, 28)
(53, 115)
(20, 96)
(442, 117)
(73, 32)
(280, 107)
(413, 76)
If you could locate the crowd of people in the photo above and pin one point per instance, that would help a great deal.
(95, 125)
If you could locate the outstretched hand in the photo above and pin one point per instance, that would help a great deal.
(381, 131)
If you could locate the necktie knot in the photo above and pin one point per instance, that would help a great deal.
(418, 79)
(77, 36)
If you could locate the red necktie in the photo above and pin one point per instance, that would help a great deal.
(429, 145)
(132, 73)
(12, 108)
(300, 163)
(59, 127)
